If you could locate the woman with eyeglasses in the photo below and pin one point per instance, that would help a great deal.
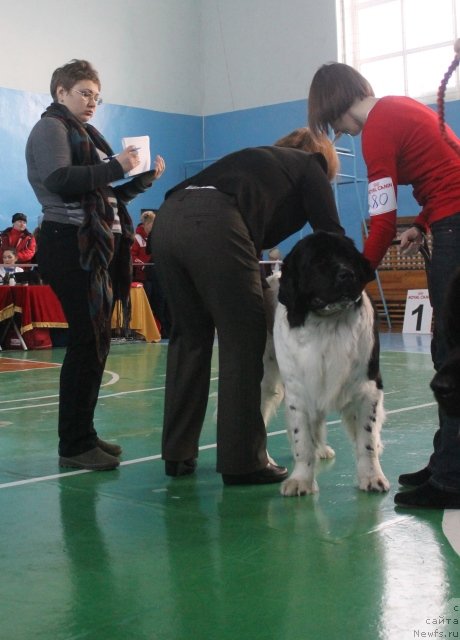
(402, 144)
(84, 248)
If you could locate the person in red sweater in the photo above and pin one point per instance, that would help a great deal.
(144, 271)
(19, 238)
(139, 249)
(402, 144)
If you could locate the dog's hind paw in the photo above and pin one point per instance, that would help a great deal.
(298, 487)
(325, 452)
(376, 483)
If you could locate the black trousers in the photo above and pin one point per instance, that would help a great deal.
(81, 373)
(209, 269)
(157, 299)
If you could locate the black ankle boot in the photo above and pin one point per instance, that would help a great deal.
(415, 479)
(180, 468)
(427, 496)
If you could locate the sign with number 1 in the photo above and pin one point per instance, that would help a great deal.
(418, 313)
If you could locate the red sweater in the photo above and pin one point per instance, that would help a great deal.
(23, 241)
(402, 144)
(139, 253)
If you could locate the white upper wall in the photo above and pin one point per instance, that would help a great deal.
(147, 52)
(262, 52)
(196, 57)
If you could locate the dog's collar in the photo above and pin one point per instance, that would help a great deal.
(336, 307)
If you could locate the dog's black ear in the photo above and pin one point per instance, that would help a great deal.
(288, 290)
(367, 270)
(290, 294)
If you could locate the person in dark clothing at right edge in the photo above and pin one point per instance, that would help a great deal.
(208, 235)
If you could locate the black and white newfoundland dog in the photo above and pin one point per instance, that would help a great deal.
(446, 382)
(327, 350)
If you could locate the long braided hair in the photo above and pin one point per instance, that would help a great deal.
(441, 95)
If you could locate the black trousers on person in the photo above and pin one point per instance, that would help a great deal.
(210, 270)
(157, 299)
(81, 373)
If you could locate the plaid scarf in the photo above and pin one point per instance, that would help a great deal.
(95, 237)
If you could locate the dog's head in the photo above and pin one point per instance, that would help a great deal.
(323, 274)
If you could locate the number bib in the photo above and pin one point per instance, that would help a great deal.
(381, 196)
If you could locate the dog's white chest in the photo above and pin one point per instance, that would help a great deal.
(325, 358)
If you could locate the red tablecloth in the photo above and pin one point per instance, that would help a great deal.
(37, 304)
(39, 307)
(6, 303)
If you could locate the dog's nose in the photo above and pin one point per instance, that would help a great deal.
(344, 275)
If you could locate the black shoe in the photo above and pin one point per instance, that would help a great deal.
(271, 473)
(109, 447)
(415, 479)
(429, 497)
(181, 468)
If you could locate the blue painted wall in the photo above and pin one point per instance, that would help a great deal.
(226, 132)
(176, 137)
(180, 139)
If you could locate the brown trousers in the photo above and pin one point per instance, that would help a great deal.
(210, 273)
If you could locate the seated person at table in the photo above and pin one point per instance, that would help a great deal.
(19, 237)
(8, 268)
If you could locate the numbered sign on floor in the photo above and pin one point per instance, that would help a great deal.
(418, 313)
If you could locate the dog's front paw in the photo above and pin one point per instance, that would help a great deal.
(298, 487)
(325, 452)
(374, 483)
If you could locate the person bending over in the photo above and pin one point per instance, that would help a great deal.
(207, 238)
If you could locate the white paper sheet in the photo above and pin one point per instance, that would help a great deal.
(143, 145)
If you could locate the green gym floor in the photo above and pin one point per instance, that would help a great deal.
(133, 555)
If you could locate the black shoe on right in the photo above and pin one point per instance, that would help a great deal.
(180, 468)
(427, 496)
(270, 473)
(415, 479)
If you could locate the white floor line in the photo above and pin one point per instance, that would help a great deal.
(114, 378)
(79, 472)
(101, 397)
(55, 395)
(126, 463)
(417, 406)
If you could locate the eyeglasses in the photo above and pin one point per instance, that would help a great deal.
(89, 95)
